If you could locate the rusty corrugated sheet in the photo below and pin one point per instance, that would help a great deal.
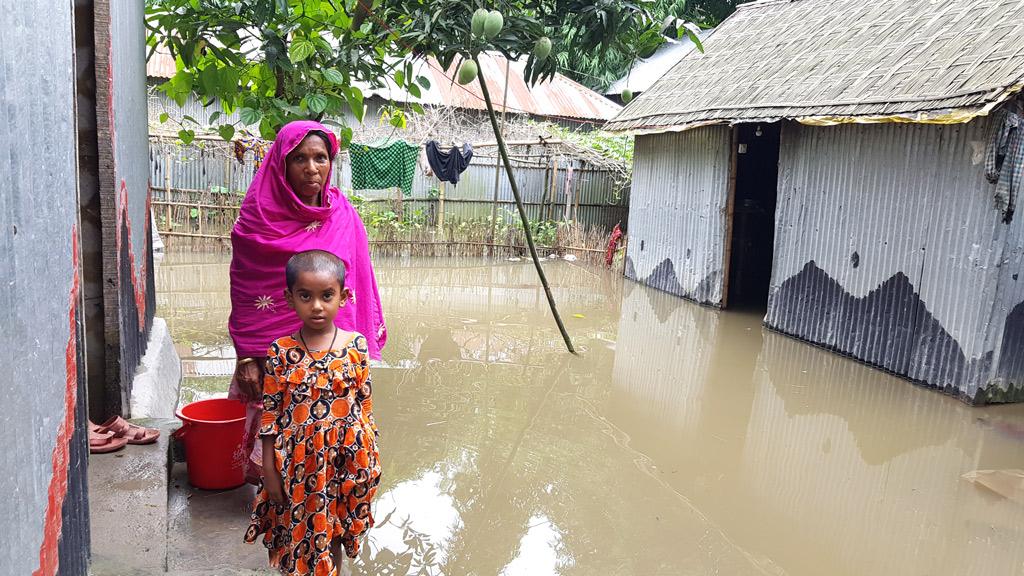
(559, 97)
(677, 212)
(161, 64)
(889, 248)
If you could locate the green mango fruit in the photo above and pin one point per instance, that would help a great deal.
(542, 49)
(493, 24)
(627, 95)
(467, 72)
(479, 17)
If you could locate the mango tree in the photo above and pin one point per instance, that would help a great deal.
(458, 31)
(279, 60)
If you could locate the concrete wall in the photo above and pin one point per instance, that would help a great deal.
(123, 144)
(43, 412)
(889, 248)
(677, 213)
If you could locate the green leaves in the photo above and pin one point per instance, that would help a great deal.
(334, 76)
(355, 102)
(279, 60)
(300, 50)
(186, 136)
(316, 103)
(248, 116)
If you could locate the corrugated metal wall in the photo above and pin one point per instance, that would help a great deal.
(889, 248)
(677, 212)
(123, 138)
(44, 465)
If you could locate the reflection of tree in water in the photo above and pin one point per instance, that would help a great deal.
(483, 408)
(486, 412)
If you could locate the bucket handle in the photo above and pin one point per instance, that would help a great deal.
(180, 433)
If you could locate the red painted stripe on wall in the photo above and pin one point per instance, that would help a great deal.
(48, 551)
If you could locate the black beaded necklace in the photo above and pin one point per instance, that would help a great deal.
(312, 361)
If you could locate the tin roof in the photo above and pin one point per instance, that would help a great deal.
(646, 71)
(836, 61)
(559, 97)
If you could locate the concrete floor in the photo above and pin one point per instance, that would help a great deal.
(128, 508)
(205, 528)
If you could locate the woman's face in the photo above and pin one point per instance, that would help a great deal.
(308, 166)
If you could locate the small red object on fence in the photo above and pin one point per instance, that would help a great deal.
(613, 243)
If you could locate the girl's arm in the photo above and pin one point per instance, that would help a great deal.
(366, 386)
(273, 405)
(273, 394)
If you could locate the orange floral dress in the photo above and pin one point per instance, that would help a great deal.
(319, 407)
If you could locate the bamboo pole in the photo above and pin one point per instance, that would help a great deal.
(440, 209)
(167, 186)
(553, 193)
(497, 165)
(519, 205)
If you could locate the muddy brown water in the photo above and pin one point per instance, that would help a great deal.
(682, 440)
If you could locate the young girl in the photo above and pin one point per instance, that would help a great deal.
(320, 460)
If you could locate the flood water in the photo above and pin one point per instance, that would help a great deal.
(682, 440)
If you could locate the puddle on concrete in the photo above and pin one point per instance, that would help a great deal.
(681, 441)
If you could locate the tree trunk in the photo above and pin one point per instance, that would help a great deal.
(500, 139)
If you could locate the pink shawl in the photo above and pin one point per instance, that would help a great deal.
(272, 226)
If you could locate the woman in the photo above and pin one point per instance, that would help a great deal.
(291, 207)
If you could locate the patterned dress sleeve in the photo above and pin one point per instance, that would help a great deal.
(365, 383)
(273, 393)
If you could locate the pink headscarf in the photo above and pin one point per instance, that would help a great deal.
(272, 226)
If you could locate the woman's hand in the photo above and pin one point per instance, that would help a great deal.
(250, 379)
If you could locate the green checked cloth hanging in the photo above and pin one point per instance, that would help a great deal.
(380, 167)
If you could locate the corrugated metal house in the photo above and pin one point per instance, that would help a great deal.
(827, 159)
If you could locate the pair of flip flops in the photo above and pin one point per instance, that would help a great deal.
(115, 433)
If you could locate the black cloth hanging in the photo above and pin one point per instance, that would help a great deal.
(447, 166)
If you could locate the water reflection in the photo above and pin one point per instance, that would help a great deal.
(682, 440)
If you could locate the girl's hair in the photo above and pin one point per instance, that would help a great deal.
(317, 261)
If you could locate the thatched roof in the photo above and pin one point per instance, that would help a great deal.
(832, 61)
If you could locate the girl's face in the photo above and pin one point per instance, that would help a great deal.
(316, 297)
(307, 168)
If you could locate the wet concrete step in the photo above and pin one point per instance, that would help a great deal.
(128, 506)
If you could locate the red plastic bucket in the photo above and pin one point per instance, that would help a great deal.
(212, 432)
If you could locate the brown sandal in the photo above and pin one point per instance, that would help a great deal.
(104, 442)
(134, 434)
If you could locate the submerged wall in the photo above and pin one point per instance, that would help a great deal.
(889, 248)
(677, 213)
(43, 411)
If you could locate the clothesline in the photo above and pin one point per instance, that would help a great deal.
(538, 142)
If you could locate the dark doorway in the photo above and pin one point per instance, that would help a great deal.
(753, 216)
